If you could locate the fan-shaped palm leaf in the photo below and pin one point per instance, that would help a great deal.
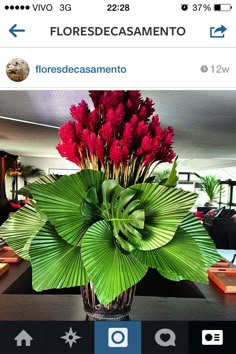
(110, 270)
(55, 263)
(19, 230)
(62, 202)
(43, 180)
(187, 256)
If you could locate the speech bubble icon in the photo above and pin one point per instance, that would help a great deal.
(165, 337)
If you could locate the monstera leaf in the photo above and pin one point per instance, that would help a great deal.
(127, 219)
(148, 214)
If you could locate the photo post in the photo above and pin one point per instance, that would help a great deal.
(117, 177)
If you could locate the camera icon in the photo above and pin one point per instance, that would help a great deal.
(118, 337)
(184, 7)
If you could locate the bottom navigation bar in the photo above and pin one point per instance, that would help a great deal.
(130, 337)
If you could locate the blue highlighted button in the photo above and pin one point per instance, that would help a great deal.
(117, 337)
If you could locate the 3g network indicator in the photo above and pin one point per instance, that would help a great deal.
(110, 6)
(39, 7)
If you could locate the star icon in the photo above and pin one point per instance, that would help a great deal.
(70, 337)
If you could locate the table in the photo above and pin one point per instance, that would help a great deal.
(214, 306)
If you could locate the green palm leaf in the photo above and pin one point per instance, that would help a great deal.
(19, 230)
(172, 178)
(211, 186)
(110, 270)
(43, 180)
(187, 256)
(62, 202)
(55, 263)
(198, 232)
(164, 210)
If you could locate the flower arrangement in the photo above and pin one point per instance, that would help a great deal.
(117, 137)
(17, 66)
(107, 224)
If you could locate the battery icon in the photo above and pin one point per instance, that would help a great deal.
(222, 7)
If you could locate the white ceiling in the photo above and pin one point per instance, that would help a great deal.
(204, 121)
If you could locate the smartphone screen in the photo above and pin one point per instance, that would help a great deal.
(118, 177)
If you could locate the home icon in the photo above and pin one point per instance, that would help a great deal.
(23, 339)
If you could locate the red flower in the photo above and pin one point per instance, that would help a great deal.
(168, 136)
(148, 158)
(69, 150)
(80, 113)
(116, 117)
(89, 139)
(134, 100)
(149, 106)
(157, 134)
(78, 130)
(115, 153)
(140, 131)
(143, 116)
(100, 150)
(154, 125)
(93, 120)
(127, 135)
(96, 97)
(124, 155)
(85, 137)
(169, 139)
(134, 121)
(120, 115)
(106, 132)
(111, 99)
(156, 144)
(146, 145)
(67, 132)
(165, 154)
(92, 143)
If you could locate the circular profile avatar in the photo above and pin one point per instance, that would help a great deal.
(17, 69)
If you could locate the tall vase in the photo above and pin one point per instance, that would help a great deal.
(117, 310)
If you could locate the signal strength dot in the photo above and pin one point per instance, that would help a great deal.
(17, 7)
